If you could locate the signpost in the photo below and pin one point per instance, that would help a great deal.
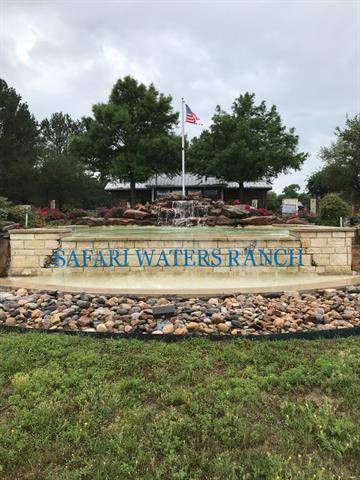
(313, 206)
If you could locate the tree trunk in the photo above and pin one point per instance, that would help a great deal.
(241, 192)
(132, 192)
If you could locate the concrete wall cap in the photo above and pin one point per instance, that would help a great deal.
(320, 228)
(40, 230)
(160, 237)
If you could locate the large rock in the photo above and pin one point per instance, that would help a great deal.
(215, 212)
(91, 221)
(297, 221)
(146, 222)
(174, 196)
(194, 195)
(265, 220)
(6, 226)
(222, 220)
(136, 214)
(235, 211)
(210, 221)
(120, 221)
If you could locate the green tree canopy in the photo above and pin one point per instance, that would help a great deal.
(273, 201)
(62, 176)
(131, 137)
(248, 144)
(318, 184)
(18, 146)
(341, 171)
(291, 191)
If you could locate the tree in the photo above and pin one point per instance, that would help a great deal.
(248, 144)
(131, 137)
(332, 208)
(341, 172)
(291, 191)
(273, 201)
(318, 184)
(18, 146)
(62, 176)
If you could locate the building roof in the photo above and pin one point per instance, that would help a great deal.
(175, 181)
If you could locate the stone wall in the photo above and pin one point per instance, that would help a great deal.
(325, 250)
(30, 249)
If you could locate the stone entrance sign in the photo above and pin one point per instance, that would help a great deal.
(324, 250)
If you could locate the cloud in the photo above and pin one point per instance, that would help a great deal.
(302, 56)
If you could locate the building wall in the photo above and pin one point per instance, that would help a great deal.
(123, 196)
(229, 194)
(246, 195)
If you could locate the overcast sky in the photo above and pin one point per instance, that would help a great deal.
(303, 56)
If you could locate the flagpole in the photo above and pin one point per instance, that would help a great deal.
(183, 147)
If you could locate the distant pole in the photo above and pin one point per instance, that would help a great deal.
(183, 146)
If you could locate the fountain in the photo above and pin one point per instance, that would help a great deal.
(183, 213)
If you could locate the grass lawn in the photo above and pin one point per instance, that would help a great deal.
(83, 408)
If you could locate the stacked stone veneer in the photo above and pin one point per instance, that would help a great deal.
(326, 250)
(31, 249)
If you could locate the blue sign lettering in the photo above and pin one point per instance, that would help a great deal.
(177, 257)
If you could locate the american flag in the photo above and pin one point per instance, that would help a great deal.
(191, 117)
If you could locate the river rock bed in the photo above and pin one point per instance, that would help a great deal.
(289, 312)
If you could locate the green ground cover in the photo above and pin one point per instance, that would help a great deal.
(83, 408)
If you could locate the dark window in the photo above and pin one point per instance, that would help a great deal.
(210, 193)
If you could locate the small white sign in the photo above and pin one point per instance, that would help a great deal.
(289, 206)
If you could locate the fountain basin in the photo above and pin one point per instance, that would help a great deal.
(183, 284)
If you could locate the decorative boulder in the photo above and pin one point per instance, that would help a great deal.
(265, 220)
(91, 221)
(146, 222)
(222, 220)
(297, 221)
(142, 208)
(215, 211)
(7, 226)
(194, 195)
(174, 196)
(119, 221)
(210, 221)
(136, 214)
(234, 211)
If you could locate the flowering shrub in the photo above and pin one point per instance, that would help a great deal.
(246, 206)
(49, 214)
(304, 214)
(252, 210)
(17, 213)
(77, 213)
